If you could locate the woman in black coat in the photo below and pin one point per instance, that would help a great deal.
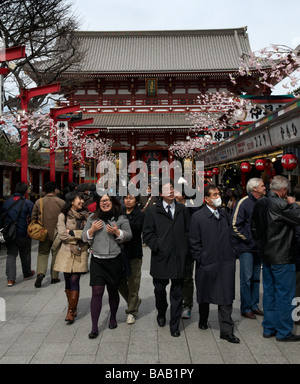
(215, 261)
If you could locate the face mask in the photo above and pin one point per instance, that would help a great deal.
(217, 202)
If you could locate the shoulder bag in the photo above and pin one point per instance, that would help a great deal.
(35, 229)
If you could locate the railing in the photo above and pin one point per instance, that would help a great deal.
(130, 103)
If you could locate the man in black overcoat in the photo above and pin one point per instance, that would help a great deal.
(165, 231)
(211, 247)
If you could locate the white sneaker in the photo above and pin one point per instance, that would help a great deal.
(130, 319)
(186, 313)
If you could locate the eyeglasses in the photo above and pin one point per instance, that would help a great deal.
(104, 201)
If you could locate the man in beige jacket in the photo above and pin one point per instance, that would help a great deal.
(52, 206)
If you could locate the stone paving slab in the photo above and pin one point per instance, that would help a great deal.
(35, 331)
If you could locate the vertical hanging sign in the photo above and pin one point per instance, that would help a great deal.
(89, 148)
(62, 134)
(151, 87)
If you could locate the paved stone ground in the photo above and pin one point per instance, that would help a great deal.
(35, 331)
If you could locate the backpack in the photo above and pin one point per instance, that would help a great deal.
(8, 232)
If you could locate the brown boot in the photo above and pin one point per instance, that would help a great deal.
(73, 301)
(68, 298)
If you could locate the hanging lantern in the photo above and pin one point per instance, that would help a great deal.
(246, 167)
(209, 174)
(205, 173)
(261, 164)
(216, 171)
(289, 161)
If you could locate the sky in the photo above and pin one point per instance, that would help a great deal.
(267, 21)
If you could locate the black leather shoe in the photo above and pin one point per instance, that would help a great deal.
(291, 338)
(202, 325)
(38, 281)
(269, 335)
(93, 335)
(258, 312)
(230, 338)
(175, 333)
(161, 321)
(112, 326)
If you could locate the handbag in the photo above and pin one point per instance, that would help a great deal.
(9, 232)
(35, 229)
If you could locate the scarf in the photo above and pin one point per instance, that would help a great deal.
(80, 217)
(105, 216)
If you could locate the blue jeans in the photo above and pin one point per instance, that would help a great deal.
(250, 268)
(279, 283)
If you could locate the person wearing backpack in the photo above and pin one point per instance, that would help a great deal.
(22, 244)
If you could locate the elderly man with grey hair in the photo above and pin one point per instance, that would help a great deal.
(273, 228)
(250, 263)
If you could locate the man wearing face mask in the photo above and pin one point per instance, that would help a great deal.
(211, 247)
(273, 228)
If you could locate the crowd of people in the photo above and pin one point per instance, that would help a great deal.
(191, 247)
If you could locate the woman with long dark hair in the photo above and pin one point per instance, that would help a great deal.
(72, 257)
(105, 230)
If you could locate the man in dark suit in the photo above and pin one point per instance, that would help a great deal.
(211, 247)
(165, 231)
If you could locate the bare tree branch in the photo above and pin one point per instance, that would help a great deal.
(47, 29)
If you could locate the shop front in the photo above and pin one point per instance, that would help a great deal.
(258, 150)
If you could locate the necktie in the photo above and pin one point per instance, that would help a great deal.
(216, 213)
(169, 211)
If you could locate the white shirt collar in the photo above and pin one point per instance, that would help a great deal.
(211, 209)
(166, 204)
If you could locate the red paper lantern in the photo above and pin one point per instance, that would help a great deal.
(289, 161)
(209, 173)
(215, 171)
(205, 173)
(246, 167)
(261, 164)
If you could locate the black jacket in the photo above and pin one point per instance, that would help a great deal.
(12, 215)
(211, 247)
(134, 246)
(241, 224)
(273, 228)
(168, 240)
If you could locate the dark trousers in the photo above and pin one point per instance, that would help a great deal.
(20, 246)
(175, 300)
(224, 314)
